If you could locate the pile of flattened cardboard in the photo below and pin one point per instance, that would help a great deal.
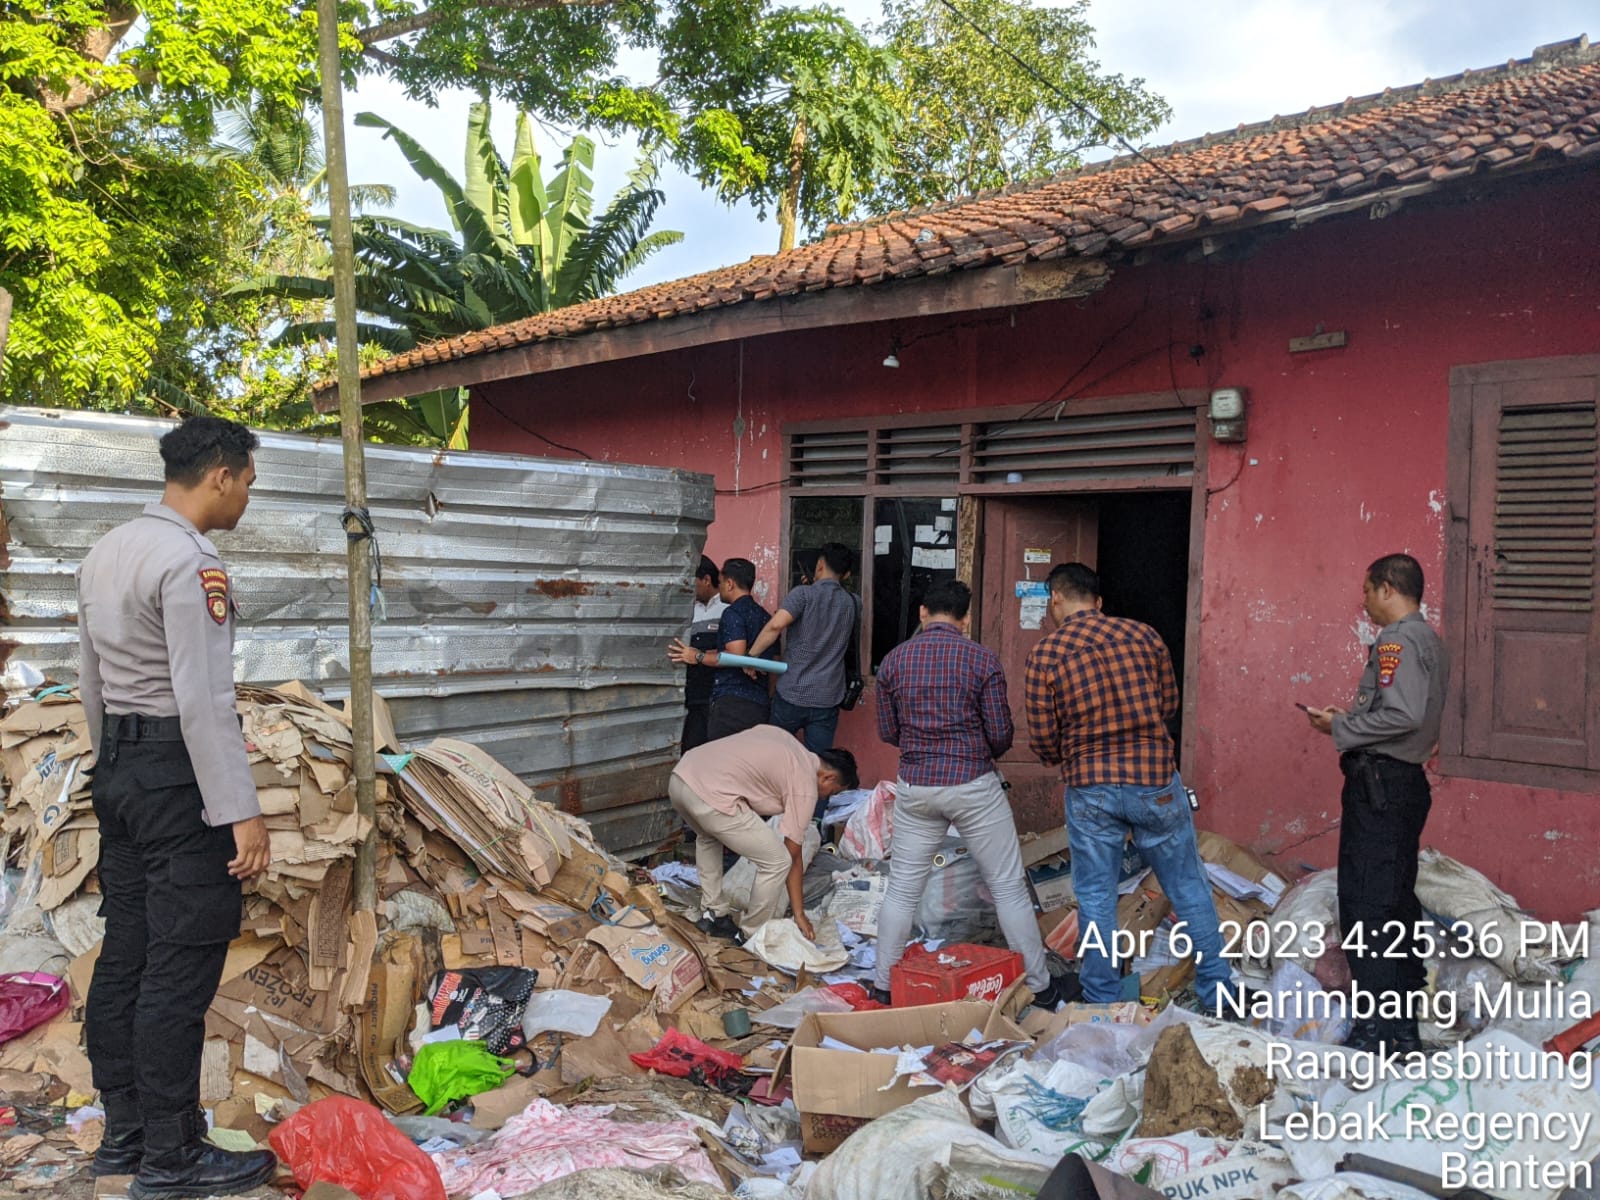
(472, 871)
(48, 815)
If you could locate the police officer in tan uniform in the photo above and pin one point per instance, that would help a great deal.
(180, 827)
(1383, 740)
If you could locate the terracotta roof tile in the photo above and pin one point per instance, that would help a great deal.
(1527, 111)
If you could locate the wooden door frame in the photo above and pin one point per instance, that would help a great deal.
(1197, 487)
(977, 496)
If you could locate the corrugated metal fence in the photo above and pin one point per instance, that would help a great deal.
(530, 601)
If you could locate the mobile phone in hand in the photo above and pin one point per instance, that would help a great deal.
(1305, 708)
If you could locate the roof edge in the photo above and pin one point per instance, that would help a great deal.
(1575, 51)
(961, 291)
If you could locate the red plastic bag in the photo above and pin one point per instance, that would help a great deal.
(680, 1055)
(30, 998)
(343, 1141)
(856, 996)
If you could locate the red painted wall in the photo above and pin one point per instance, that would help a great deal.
(1346, 460)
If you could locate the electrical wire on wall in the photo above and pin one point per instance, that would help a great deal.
(1232, 479)
(530, 431)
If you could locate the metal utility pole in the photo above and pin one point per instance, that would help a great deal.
(357, 524)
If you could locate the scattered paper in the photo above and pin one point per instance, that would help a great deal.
(829, 1042)
(681, 874)
(233, 1139)
(1269, 890)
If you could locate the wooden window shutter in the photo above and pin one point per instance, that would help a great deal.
(1528, 668)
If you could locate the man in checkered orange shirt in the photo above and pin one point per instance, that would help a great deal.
(1098, 693)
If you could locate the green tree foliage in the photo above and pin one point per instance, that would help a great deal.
(118, 224)
(116, 248)
(121, 229)
(520, 245)
(804, 130)
(973, 119)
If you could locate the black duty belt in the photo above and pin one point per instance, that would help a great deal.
(134, 727)
(1375, 758)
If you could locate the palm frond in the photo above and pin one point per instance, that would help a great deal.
(616, 243)
(395, 339)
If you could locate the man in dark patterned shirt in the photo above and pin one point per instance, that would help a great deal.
(1099, 692)
(942, 701)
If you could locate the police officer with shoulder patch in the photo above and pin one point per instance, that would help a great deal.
(180, 827)
(1383, 741)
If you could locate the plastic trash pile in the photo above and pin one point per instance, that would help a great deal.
(526, 1016)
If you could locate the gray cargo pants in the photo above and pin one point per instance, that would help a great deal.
(982, 815)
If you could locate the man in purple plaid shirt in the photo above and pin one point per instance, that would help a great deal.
(942, 701)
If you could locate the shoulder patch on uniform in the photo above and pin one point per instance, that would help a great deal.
(214, 582)
(1388, 662)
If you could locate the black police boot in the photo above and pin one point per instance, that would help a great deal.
(179, 1162)
(123, 1144)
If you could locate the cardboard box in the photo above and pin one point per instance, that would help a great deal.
(1037, 847)
(1126, 1012)
(1215, 848)
(1143, 909)
(1165, 980)
(837, 1091)
(385, 1019)
(578, 882)
(1055, 893)
(653, 960)
(1242, 912)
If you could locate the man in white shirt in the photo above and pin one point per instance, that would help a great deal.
(697, 680)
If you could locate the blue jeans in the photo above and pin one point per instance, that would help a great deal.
(815, 725)
(1099, 819)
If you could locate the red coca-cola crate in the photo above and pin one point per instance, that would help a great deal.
(957, 972)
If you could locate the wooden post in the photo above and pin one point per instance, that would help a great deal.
(5, 322)
(355, 461)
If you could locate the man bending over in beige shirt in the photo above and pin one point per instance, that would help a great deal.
(725, 789)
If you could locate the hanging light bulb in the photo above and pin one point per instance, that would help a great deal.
(892, 359)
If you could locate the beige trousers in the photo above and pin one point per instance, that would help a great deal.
(747, 835)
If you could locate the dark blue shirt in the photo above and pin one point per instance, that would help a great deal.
(742, 621)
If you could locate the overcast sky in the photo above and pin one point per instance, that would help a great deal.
(1216, 64)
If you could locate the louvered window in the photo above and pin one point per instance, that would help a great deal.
(919, 455)
(832, 459)
(1544, 518)
(1521, 602)
(1090, 447)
